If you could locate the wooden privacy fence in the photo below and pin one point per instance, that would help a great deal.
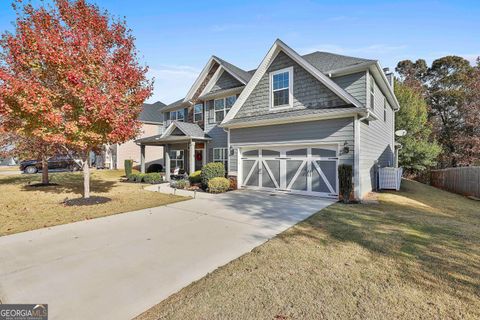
(462, 180)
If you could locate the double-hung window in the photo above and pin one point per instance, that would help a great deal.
(220, 155)
(198, 112)
(281, 84)
(177, 159)
(222, 106)
(181, 115)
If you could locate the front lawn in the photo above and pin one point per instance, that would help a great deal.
(415, 255)
(23, 207)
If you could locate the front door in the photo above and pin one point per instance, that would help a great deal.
(198, 159)
(305, 170)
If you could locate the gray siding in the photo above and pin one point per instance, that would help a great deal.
(376, 143)
(355, 84)
(226, 81)
(328, 131)
(308, 92)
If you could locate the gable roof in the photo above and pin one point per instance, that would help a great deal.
(151, 112)
(191, 130)
(277, 47)
(236, 71)
(327, 62)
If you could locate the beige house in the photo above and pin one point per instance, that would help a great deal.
(152, 120)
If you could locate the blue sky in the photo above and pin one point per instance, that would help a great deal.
(176, 38)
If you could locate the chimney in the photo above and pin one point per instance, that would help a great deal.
(389, 76)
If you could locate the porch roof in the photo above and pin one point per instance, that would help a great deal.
(186, 132)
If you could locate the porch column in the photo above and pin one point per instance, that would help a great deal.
(204, 154)
(166, 150)
(142, 158)
(191, 157)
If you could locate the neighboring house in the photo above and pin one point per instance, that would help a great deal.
(152, 124)
(287, 125)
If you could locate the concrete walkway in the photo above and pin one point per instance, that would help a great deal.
(118, 266)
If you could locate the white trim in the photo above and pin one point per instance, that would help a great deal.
(356, 163)
(301, 118)
(212, 81)
(280, 46)
(351, 69)
(199, 79)
(271, 107)
(288, 143)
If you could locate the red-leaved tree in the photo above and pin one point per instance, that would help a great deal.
(70, 76)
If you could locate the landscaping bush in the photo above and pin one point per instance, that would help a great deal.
(128, 167)
(345, 181)
(180, 184)
(196, 177)
(218, 185)
(132, 177)
(139, 177)
(153, 178)
(212, 170)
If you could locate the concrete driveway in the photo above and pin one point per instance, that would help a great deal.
(118, 266)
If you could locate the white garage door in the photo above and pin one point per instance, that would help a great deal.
(308, 170)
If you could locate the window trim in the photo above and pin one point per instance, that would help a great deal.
(384, 109)
(225, 110)
(176, 160)
(195, 113)
(224, 156)
(372, 93)
(290, 89)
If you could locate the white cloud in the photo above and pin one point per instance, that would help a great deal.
(171, 82)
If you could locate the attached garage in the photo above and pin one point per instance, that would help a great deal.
(309, 170)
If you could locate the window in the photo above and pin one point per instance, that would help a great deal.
(198, 112)
(219, 110)
(281, 88)
(222, 106)
(176, 159)
(173, 115)
(385, 109)
(372, 93)
(181, 115)
(221, 155)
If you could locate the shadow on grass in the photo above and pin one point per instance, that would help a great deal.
(432, 234)
(66, 182)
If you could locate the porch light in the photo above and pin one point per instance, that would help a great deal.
(346, 148)
(232, 152)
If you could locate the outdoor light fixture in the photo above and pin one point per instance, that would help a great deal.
(346, 148)
(232, 152)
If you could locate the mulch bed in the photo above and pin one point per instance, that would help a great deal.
(86, 202)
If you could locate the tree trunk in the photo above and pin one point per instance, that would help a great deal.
(86, 177)
(45, 170)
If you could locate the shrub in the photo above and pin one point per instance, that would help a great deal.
(180, 184)
(128, 164)
(196, 177)
(212, 170)
(153, 178)
(139, 177)
(132, 177)
(345, 181)
(218, 185)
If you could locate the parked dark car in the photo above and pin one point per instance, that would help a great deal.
(54, 163)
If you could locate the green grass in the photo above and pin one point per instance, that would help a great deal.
(414, 255)
(24, 208)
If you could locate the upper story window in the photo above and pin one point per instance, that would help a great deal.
(178, 115)
(372, 92)
(281, 84)
(198, 112)
(222, 106)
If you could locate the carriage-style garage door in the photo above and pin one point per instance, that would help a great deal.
(308, 170)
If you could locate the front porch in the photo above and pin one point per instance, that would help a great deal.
(184, 148)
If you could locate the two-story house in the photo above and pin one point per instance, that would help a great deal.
(287, 125)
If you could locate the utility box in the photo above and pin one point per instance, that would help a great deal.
(389, 178)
